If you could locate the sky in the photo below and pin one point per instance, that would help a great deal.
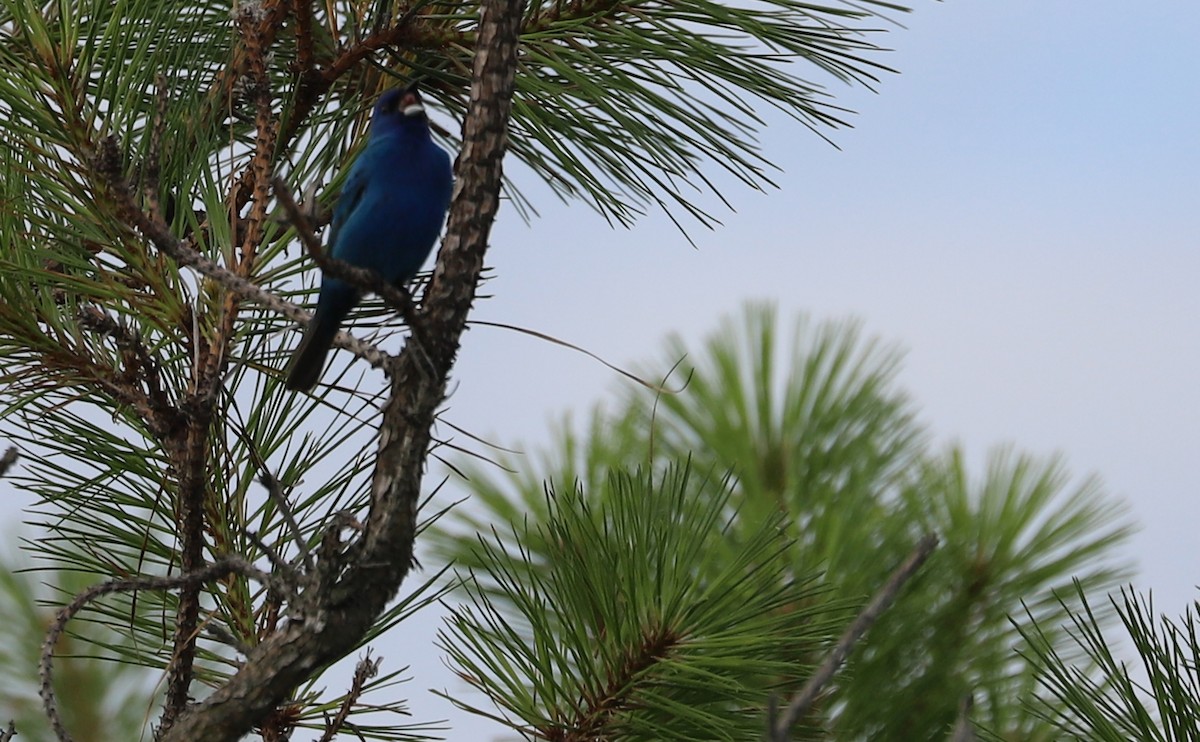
(1019, 208)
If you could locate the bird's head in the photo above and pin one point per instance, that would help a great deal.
(400, 108)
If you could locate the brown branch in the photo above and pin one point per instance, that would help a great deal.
(408, 415)
(305, 59)
(269, 16)
(231, 565)
(189, 464)
(780, 726)
(409, 34)
(196, 512)
(338, 608)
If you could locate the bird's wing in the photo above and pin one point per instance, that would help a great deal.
(348, 201)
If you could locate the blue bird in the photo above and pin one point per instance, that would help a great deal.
(387, 219)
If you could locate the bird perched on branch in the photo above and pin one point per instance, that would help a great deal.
(387, 219)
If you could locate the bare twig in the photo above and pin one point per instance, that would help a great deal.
(654, 407)
(296, 216)
(364, 671)
(275, 492)
(217, 570)
(147, 394)
(221, 634)
(277, 561)
(271, 484)
(780, 727)
(8, 732)
(397, 297)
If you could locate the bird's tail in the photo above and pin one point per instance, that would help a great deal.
(304, 369)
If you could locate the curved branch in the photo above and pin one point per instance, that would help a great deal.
(217, 570)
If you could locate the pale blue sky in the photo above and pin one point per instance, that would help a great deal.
(1019, 208)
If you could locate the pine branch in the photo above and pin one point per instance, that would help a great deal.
(334, 614)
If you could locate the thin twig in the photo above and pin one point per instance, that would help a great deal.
(275, 492)
(364, 671)
(271, 484)
(214, 571)
(396, 297)
(656, 388)
(146, 394)
(8, 732)
(330, 552)
(780, 728)
(657, 398)
(223, 635)
(273, 556)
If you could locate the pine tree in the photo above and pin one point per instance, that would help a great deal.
(152, 271)
(805, 448)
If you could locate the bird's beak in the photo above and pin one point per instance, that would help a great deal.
(412, 100)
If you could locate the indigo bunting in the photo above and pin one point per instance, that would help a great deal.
(387, 219)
